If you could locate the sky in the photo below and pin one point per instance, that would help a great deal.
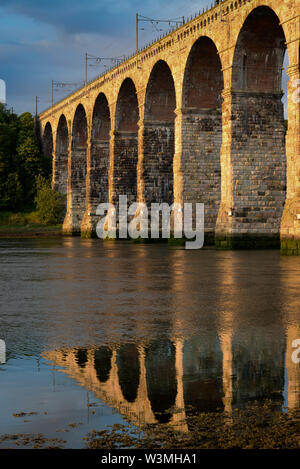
(44, 40)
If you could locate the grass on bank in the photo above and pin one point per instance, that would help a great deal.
(47, 216)
(25, 223)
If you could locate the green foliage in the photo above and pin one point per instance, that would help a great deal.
(21, 161)
(50, 205)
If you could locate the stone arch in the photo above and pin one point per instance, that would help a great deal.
(48, 141)
(202, 130)
(60, 175)
(158, 135)
(203, 79)
(100, 139)
(259, 53)
(258, 154)
(125, 147)
(78, 167)
(129, 371)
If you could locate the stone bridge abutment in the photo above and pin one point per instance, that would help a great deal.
(198, 116)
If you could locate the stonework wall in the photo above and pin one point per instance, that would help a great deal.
(158, 163)
(99, 172)
(125, 166)
(77, 195)
(201, 143)
(204, 65)
(258, 166)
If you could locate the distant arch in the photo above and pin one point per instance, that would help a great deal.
(48, 141)
(61, 156)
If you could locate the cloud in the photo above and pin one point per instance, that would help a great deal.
(96, 16)
(41, 40)
(74, 17)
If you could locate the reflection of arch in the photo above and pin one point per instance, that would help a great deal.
(257, 118)
(202, 371)
(102, 363)
(202, 129)
(101, 127)
(48, 141)
(129, 371)
(161, 378)
(258, 378)
(126, 142)
(78, 167)
(61, 156)
(158, 138)
(81, 357)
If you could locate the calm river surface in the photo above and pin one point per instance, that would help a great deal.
(97, 332)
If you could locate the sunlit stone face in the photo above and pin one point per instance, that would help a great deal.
(2, 352)
(2, 92)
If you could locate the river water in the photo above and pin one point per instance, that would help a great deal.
(96, 333)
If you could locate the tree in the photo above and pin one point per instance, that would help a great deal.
(50, 204)
(21, 161)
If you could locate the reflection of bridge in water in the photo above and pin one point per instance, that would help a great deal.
(210, 373)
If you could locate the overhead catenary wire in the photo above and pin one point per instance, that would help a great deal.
(173, 22)
(140, 19)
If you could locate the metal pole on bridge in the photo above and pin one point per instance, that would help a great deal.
(137, 33)
(85, 69)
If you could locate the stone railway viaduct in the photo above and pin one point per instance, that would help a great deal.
(195, 117)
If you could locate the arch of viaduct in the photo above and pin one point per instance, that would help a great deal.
(195, 117)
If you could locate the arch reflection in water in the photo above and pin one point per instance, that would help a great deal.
(163, 380)
(129, 371)
(102, 363)
(202, 374)
(81, 357)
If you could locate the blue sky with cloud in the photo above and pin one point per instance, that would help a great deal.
(41, 40)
